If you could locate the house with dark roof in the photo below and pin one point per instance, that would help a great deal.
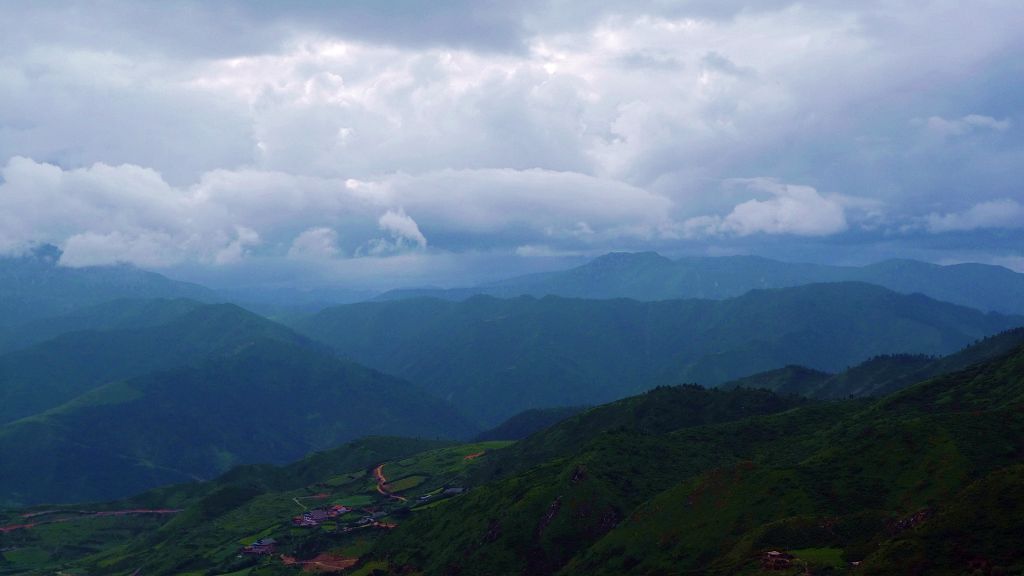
(317, 516)
(261, 547)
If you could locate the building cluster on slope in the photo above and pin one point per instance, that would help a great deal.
(318, 516)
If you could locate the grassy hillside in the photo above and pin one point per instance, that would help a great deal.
(215, 517)
(268, 401)
(973, 533)
(680, 480)
(789, 380)
(880, 375)
(661, 410)
(35, 286)
(650, 276)
(830, 485)
(494, 358)
(48, 374)
(259, 501)
(529, 422)
(113, 315)
(544, 499)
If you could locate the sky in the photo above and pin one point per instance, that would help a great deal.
(376, 144)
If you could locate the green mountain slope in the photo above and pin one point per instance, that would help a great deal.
(493, 358)
(880, 375)
(557, 493)
(207, 535)
(976, 285)
(216, 516)
(34, 286)
(973, 533)
(659, 411)
(649, 276)
(792, 380)
(113, 315)
(221, 515)
(268, 401)
(50, 373)
(828, 484)
(680, 480)
(529, 422)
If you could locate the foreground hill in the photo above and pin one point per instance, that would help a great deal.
(679, 480)
(35, 286)
(219, 516)
(650, 276)
(50, 373)
(214, 515)
(493, 358)
(267, 401)
(881, 484)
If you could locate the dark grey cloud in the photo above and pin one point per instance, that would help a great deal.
(192, 28)
(411, 139)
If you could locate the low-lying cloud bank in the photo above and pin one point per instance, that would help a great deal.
(109, 214)
(106, 214)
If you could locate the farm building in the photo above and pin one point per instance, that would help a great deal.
(261, 547)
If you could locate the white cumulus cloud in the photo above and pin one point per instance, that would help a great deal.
(792, 209)
(970, 123)
(106, 214)
(402, 234)
(1003, 213)
(315, 244)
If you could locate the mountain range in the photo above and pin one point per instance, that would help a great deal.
(47, 374)
(34, 285)
(130, 409)
(879, 375)
(844, 426)
(495, 357)
(650, 276)
(144, 393)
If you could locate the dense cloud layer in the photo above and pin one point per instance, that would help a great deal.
(414, 141)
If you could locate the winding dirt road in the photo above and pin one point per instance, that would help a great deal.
(382, 482)
(79, 515)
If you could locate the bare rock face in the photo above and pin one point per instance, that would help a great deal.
(549, 516)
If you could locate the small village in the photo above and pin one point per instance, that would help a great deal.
(363, 503)
(334, 516)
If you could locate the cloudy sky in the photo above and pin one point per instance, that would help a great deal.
(373, 144)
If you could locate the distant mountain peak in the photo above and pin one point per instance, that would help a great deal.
(648, 256)
(904, 263)
(35, 286)
(619, 261)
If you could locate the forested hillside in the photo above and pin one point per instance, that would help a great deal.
(677, 480)
(493, 358)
